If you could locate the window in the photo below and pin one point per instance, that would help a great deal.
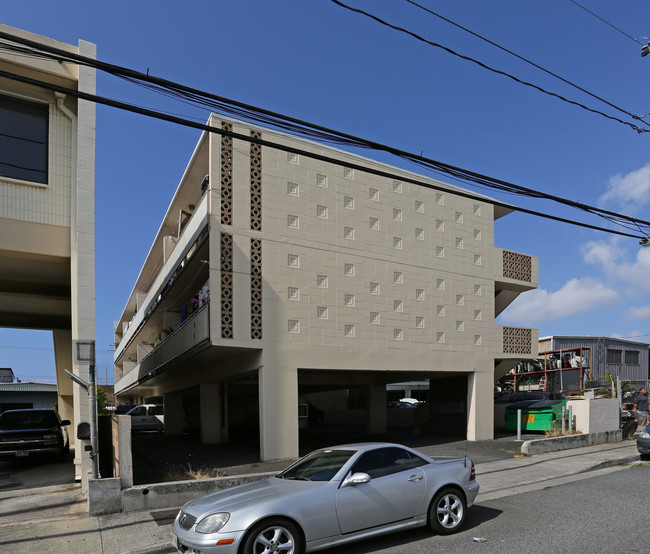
(614, 356)
(23, 140)
(631, 357)
(386, 461)
(319, 466)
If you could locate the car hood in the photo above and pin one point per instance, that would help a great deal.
(243, 496)
(30, 431)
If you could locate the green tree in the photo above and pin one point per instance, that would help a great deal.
(102, 400)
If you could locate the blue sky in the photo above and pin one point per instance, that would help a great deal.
(317, 61)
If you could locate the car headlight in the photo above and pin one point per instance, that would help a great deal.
(212, 523)
(644, 435)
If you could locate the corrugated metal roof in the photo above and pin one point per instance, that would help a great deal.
(27, 387)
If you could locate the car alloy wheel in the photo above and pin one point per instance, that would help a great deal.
(274, 536)
(447, 512)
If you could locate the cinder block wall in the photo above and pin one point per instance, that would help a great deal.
(595, 416)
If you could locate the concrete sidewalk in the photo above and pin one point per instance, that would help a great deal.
(54, 519)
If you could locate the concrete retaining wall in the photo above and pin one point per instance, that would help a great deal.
(177, 493)
(539, 446)
(105, 496)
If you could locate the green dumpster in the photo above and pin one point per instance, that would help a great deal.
(536, 415)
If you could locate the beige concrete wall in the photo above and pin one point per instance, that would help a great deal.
(595, 416)
(360, 272)
(62, 211)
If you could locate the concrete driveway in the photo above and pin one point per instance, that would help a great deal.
(35, 472)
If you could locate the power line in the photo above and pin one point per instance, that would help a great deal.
(306, 153)
(492, 69)
(607, 22)
(522, 58)
(301, 127)
(296, 126)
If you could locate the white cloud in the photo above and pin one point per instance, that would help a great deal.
(621, 265)
(634, 335)
(630, 191)
(577, 296)
(637, 313)
(601, 252)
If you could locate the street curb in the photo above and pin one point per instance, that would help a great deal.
(160, 548)
(617, 462)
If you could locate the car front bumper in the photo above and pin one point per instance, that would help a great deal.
(189, 542)
(643, 445)
(26, 452)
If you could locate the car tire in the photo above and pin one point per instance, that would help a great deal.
(273, 535)
(447, 511)
(629, 428)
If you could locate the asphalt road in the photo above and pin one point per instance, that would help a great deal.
(607, 513)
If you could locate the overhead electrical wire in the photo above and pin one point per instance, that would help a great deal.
(297, 126)
(634, 126)
(607, 22)
(526, 60)
(359, 167)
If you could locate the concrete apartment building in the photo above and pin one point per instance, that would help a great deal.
(277, 279)
(47, 157)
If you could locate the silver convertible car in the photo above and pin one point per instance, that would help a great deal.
(331, 497)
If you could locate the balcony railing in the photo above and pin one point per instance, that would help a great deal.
(194, 331)
(517, 266)
(190, 233)
(520, 341)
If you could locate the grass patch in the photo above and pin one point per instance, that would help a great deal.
(553, 433)
(189, 473)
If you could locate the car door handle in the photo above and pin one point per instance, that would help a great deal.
(414, 478)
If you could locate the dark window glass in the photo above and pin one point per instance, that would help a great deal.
(631, 357)
(318, 466)
(23, 140)
(614, 356)
(44, 419)
(384, 461)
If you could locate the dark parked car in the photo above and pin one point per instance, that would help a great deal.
(25, 433)
(512, 397)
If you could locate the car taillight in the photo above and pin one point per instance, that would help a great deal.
(472, 473)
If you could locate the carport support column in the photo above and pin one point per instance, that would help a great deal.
(278, 394)
(480, 405)
(174, 414)
(213, 414)
(377, 414)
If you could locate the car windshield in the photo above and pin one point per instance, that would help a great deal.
(28, 420)
(321, 465)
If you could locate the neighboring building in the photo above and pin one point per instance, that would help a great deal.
(15, 396)
(622, 358)
(276, 277)
(47, 163)
(6, 375)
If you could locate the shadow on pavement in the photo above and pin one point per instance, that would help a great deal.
(158, 457)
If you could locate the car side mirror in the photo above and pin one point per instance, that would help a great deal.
(356, 479)
(65, 422)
